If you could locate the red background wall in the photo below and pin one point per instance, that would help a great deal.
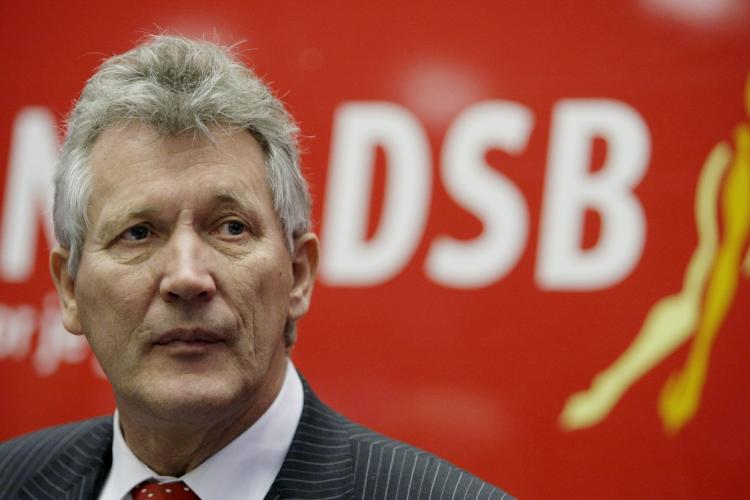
(479, 375)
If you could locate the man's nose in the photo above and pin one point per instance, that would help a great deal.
(187, 276)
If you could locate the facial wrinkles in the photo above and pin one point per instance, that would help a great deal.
(246, 307)
(190, 170)
(209, 213)
(184, 237)
(179, 155)
(186, 251)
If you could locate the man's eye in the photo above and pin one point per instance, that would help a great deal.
(136, 233)
(234, 227)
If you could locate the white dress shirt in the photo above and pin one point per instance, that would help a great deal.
(242, 470)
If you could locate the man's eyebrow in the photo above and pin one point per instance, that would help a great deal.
(239, 200)
(115, 223)
(121, 218)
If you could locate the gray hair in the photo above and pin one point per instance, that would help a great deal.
(177, 85)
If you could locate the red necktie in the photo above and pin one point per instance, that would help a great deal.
(166, 491)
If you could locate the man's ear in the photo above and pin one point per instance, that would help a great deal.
(304, 269)
(65, 284)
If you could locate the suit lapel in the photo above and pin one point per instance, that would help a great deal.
(319, 462)
(81, 467)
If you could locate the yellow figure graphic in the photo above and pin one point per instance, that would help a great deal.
(713, 270)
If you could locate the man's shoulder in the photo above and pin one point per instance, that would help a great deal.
(389, 468)
(24, 457)
(53, 438)
(383, 467)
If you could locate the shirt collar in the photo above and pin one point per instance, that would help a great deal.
(243, 470)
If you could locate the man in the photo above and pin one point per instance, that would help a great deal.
(186, 259)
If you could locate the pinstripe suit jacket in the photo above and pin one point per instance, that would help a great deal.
(330, 458)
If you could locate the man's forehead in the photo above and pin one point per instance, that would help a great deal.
(210, 198)
(124, 149)
(146, 169)
(213, 196)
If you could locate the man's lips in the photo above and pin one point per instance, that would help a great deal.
(189, 336)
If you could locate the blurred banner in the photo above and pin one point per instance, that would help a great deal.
(534, 216)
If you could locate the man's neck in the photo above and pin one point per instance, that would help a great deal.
(173, 445)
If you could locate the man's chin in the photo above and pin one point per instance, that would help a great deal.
(186, 399)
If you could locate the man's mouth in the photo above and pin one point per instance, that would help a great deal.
(188, 337)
